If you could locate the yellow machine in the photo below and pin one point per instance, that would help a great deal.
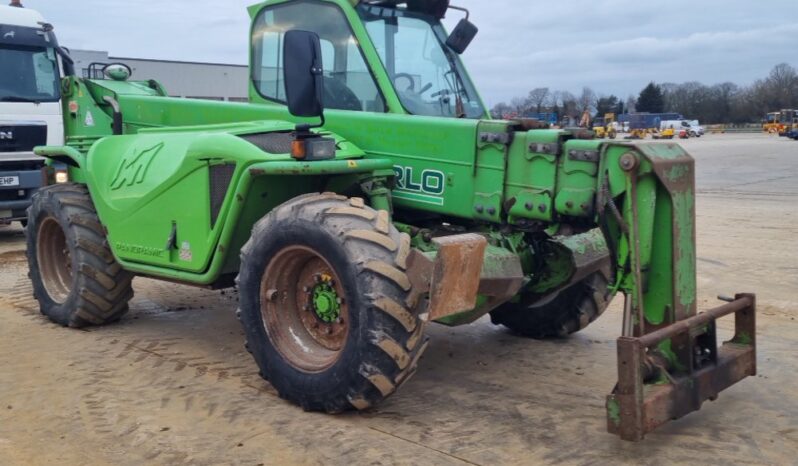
(772, 121)
(781, 122)
(788, 121)
(605, 127)
(667, 133)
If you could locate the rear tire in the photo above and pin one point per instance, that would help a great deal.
(302, 258)
(75, 277)
(570, 311)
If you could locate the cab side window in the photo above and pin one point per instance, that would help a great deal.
(348, 82)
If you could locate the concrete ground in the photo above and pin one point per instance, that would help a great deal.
(171, 383)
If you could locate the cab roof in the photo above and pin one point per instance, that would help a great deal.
(435, 7)
(24, 17)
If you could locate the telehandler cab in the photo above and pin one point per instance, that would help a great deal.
(408, 205)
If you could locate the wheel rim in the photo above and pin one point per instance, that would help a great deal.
(55, 260)
(304, 309)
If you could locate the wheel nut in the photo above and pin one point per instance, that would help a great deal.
(271, 295)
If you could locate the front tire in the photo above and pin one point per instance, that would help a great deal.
(326, 304)
(75, 277)
(565, 313)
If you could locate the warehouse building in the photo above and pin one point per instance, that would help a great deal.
(212, 81)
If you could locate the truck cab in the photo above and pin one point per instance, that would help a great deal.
(30, 107)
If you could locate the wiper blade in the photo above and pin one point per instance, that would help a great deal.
(12, 98)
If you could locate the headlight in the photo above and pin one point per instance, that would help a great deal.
(61, 176)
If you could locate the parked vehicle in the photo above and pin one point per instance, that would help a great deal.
(693, 129)
(697, 128)
(355, 208)
(30, 107)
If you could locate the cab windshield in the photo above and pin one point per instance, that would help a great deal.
(428, 77)
(30, 74)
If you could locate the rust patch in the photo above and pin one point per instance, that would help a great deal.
(456, 274)
(649, 393)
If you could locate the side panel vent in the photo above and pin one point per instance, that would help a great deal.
(220, 177)
(272, 143)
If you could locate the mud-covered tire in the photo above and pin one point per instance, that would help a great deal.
(75, 278)
(570, 311)
(385, 333)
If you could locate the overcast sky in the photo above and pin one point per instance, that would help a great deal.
(613, 46)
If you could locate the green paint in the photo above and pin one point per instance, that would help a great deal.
(157, 176)
(743, 339)
(666, 349)
(325, 302)
(614, 411)
(684, 206)
(678, 172)
(418, 198)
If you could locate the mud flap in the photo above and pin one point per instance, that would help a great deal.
(652, 390)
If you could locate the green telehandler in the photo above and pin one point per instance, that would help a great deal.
(363, 193)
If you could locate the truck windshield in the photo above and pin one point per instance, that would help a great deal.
(30, 74)
(428, 77)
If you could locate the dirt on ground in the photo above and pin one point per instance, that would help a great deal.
(172, 384)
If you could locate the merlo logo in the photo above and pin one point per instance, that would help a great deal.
(426, 186)
(134, 170)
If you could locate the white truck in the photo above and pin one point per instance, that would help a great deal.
(31, 66)
(692, 128)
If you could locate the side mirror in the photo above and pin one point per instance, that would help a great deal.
(67, 62)
(117, 71)
(303, 74)
(461, 37)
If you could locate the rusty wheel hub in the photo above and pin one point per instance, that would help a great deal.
(304, 308)
(54, 259)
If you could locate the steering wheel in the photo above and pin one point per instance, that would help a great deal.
(411, 87)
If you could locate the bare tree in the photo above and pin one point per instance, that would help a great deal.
(719, 103)
(569, 104)
(537, 97)
(519, 105)
(587, 101)
(782, 87)
(501, 110)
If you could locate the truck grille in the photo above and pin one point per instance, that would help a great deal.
(11, 195)
(22, 138)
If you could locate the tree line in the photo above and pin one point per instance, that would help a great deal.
(720, 103)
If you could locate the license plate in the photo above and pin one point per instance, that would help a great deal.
(9, 181)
